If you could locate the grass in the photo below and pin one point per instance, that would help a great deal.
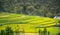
(26, 22)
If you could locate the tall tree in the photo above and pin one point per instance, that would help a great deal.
(9, 31)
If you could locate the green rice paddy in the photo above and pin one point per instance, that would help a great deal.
(27, 22)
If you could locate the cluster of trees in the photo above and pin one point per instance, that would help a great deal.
(7, 31)
(47, 8)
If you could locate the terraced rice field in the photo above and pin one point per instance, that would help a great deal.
(26, 22)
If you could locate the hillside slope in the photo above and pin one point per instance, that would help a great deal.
(26, 22)
(25, 19)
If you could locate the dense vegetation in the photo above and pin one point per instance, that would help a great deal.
(7, 31)
(47, 8)
(27, 15)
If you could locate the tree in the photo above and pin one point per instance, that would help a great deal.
(2, 32)
(46, 8)
(8, 31)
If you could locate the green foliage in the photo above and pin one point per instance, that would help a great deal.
(47, 8)
(2, 32)
(7, 31)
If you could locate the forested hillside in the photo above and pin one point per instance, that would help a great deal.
(47, 8)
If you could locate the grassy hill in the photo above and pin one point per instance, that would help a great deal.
(26, 22)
